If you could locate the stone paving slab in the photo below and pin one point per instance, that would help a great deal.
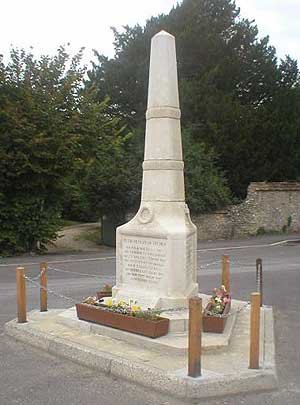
(223, 373)
(172, 343)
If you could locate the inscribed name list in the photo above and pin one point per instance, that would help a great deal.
(144, 259)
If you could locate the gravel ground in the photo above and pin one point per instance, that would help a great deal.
(78, 238)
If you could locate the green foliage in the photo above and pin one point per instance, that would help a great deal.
(233, 90)
(74, 146)
(38, 104)
(206, 187)
(105, 180)
(112, 175)
(26, 220)
(56, 144)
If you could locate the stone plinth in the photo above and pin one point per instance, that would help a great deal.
(223, 372)
(156, 250)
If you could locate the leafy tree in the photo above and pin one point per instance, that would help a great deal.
(38, 103)
(105, 180)
(51, 133)
(230, 85)
(205, 184)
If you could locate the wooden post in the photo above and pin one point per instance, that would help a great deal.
(226, 272)
(254, 330)
(195, 330)
(21, 294)
(43, 286)
(259, 279)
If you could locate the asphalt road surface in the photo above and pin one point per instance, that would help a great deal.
(30, 376)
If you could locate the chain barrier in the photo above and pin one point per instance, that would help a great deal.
(202, 267)
(75, 272)
(36, 284)
(237, 311)
(66, 271)
(232, 262)
(235, 263)
(205, 266)
(39, 275)
(31, 280)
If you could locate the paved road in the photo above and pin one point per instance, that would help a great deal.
(29, 376)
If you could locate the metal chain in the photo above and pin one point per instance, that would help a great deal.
(223, 316)
(235, 263)
(32, 280)
(237, 311)
(40, 274)
(78, 274)
(48, 290)
(205, 266)
(232, 262)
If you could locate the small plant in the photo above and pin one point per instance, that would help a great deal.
(218, 301)
(124, 308)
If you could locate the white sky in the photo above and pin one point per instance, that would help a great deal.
(46, 24)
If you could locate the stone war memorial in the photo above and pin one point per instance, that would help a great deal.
(156, 250)
(150, 327)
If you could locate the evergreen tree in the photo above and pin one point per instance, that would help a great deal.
(230, 85)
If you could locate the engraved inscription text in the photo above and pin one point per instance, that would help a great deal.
(144, 259)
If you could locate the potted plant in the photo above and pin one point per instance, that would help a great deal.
(216, 312)
(106, 291)
(121, 315)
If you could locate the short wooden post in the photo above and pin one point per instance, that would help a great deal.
(259, 279)
(226, 272)
(43, 287)
(21, 294)
(195, 330)
(254, 330)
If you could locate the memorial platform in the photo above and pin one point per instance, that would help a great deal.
(174, 343)
(132, 357)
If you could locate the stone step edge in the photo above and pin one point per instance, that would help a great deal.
(175, 384)
(148, 343)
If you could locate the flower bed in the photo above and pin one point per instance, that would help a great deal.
(124, 316)
(216, 312)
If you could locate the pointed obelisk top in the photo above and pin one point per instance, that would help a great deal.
(162, 33)
(163, 84)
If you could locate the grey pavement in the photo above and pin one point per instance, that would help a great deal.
(29, 376)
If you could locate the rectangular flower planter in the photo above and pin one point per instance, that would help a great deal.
(141, 326)
(215, 324)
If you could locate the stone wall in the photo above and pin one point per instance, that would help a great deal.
(268, 207)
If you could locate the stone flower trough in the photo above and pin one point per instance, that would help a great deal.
(215, 323)
(141, 326)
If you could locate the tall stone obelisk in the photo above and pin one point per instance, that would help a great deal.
(156, 250)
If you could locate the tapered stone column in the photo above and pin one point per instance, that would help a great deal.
(156, 250)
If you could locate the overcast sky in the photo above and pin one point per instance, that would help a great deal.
(45, 24)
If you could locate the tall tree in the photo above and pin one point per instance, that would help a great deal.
(38, 102)
(229, 83)
(51, 131)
